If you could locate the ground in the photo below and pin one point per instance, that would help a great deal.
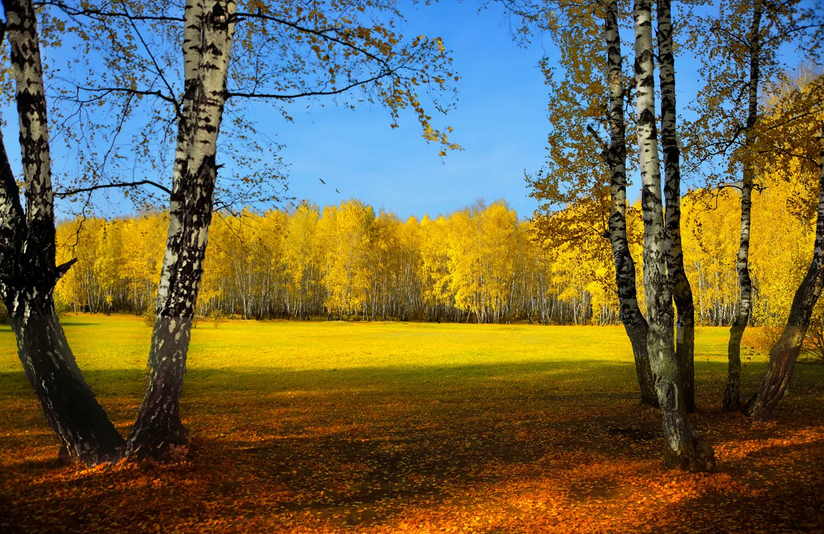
(400, 427)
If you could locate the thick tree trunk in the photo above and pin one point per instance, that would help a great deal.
(70, 406)
(679, 284)
(27, 263)
(732, 391)
(681, 444)
(634, 322)
(785, 352)
(158, 430)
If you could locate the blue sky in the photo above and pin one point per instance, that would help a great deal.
(499, 121)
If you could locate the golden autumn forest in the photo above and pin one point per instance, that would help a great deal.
(480, 264)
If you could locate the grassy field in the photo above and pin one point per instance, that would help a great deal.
(405, 427)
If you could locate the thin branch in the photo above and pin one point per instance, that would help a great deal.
(604, 146)
(109, 90)
(154, 61)
(90, 12)
(230, 94)
(789, 153)
(71, 192)
(317, 33)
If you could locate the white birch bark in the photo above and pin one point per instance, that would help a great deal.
(681, 445)
(209, 31)
(680, 285)
(634, 322)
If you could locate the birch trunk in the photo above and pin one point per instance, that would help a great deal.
(785, 352)
(732, 391)
(209, 28)
(634, 322)
(681, 444)
(679, 284)
(28, 272)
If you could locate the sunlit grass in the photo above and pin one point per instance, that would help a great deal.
(408, 427)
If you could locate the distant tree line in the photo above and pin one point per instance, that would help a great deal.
(479, 264)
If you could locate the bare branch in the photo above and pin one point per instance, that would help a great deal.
(105, 91)
(71, 192)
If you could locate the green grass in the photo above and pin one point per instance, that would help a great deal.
(121, 343)
(283, 355)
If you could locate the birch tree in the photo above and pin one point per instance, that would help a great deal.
(682, 445)
(801, 112)
(784, 353)
(583, 170)
(732, 391)
(209, 29)
(736, 66)
(681, 290)
(634, 321)
(28, 272)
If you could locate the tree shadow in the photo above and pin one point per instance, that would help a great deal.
(369, 448)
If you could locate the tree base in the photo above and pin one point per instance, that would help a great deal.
(699, 457)
(650, 402)
(165, 450)
(757, 411)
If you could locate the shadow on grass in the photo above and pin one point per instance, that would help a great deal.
(365, 448)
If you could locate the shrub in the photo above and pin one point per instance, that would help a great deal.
(763, 338)
(149, 316)
(814, 340)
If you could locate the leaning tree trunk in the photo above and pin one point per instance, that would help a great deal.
(634, 322)
(732, 391)
(785, 352)
(158, 430)
(682, 447)
(28, 272)
(679, 284)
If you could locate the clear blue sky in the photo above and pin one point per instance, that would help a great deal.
(500, 122)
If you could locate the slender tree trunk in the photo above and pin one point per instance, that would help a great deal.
(27, 262)
(679, 284)
(208, 39)
(681, 444)
(785, 352)
(634, 322)
(732, 391)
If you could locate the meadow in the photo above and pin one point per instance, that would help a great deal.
(411, 427)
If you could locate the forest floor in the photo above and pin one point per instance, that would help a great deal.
(401, 427)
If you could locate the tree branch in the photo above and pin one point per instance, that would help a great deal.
(71, 192)
(109, 90)
(323, 34)
(154, 61)
(91, 12)
(377, 77)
